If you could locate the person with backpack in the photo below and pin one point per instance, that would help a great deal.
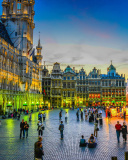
(61, 128)
(40, 129)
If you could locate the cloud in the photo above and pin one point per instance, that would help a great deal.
(86, 55)
(94, 27)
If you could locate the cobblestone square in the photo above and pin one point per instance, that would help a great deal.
(14, 148)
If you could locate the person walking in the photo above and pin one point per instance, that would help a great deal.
(118, 129)
(66, 116)
(109, 116)
(124, 131)
(95, 128)
(44, 116)
(39, 152)
(86, 115)
(36, 146)
(61, 128)
(40, 129)
(60, 115)
(26, 126)
(22, 128)
(77, 114)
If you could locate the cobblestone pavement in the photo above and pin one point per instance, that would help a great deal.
(12, 148)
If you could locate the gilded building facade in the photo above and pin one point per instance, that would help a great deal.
(20, 68)
(70, 88)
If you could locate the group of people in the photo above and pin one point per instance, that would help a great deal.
(94, 114)
(91, 142)
(41, 116)
(121, 129)
(24, 126)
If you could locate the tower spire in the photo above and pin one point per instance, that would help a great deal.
(39, 48)
(111, 62)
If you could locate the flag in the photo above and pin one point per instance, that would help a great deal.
(29, 51)
(44, 91)
(33, 52)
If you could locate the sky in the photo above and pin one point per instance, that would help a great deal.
(83, 33)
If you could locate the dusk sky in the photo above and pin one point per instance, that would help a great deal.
(86, 32)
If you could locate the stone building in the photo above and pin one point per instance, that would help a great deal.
(46, 87)
(113, 87)
(94, 87)
(56, 86)
(69, 87)
(20, 68)
(81, 88)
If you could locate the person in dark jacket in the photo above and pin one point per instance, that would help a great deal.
(22, 128)
(61, 128)
(36, 145)
(81, 115)
(39, 151)
(60, 115)
(77, 114)
(124, 131)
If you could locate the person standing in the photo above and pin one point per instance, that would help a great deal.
(66, 116)
(118, 129)
(26, 126)
(30, 117)
(124, 131)
(124, 115)
(81, 115)
(60, 115)
(22, 128)
(44, 115)
(61, 128)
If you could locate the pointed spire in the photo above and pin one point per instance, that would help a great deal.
(111, 62)
(39, 45)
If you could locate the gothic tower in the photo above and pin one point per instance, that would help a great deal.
(18, 18)
(39, 56)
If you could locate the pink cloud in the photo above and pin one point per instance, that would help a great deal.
(49, 40)
(93, 27)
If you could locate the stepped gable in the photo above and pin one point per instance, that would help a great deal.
(4, 34)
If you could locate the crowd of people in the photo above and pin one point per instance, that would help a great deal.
(91, 115)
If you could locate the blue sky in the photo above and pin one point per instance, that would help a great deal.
(83, 32)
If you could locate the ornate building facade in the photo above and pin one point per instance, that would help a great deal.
(70, 88)
(20, 68)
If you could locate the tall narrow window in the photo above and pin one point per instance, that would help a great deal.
(19, 6)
